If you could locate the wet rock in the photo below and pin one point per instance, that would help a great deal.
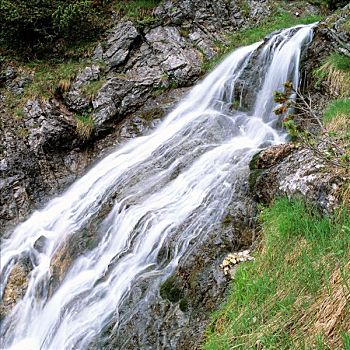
(175, 317)
(15, 288)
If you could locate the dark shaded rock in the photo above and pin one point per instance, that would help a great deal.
(48, 127)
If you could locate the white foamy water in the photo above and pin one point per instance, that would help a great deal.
(164, 189)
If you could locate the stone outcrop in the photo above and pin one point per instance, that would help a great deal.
(292, 171)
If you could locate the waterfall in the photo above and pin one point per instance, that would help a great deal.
(162, 191)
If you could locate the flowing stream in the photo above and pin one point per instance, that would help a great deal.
(160, 191)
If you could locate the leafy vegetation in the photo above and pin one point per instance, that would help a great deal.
(295, 295)
(331, 4)
(280, 19)
(35, 28)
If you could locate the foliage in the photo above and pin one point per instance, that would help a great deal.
(35, 26)
(38, 27)
(295, 295)
(331, 4)
(280, 19)
(297, 111)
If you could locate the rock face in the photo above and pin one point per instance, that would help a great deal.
(332, 35)
(294, 172)
(119, 43)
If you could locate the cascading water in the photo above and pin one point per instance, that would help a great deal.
(161, 191)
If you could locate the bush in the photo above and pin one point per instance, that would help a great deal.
(36, 26)
(331, 4)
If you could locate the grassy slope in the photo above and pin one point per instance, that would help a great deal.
(296, 294)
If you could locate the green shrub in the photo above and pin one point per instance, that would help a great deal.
(36, 26)
(331, 4)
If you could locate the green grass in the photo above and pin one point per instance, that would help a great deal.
(335, 71)
(48, 75)
(280, 19)
(275, 301)
(139, 10)
(340, 61)
(84, 125)
(337, 121)
(90, 90)
(337, 108)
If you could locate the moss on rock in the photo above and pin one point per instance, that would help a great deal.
(170, 291)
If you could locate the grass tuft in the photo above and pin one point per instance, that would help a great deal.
(84, 126)
(337, 122)
(90, 90)
(336, 73)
